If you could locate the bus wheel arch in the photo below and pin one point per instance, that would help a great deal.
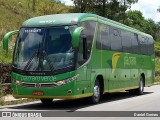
(143, 76)
(140, 89)
(98, 89)
(101, 81)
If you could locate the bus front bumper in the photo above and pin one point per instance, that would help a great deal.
(66, 91)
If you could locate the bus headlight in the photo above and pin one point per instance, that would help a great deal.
(62, 82)
(18, 82)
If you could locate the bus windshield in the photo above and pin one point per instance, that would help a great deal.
(44, 49)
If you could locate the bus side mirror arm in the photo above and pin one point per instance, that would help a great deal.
(6, 39)
(76, 36)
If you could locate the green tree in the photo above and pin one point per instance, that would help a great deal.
(136, 20)
(32, 4)
(52, 7)
(84, 5)
(112, 9)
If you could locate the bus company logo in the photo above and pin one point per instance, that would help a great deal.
(115, 58)
(47, 21)
(38, 78)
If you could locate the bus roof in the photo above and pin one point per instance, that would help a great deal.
(56, 19)
(73, 18)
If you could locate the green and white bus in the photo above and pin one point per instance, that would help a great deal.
(77, 55)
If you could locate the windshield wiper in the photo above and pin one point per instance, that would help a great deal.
(40, 58)
(35, 53)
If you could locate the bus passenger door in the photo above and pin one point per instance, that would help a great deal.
(82, 68)
(85, 49)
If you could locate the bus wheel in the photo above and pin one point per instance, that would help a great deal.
(139, 91)
(96, 92)
(46, 101)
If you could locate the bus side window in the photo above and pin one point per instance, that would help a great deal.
(116, 40)
(150, 46)
(134, 41)
(126, 41)
(146, 46)
(142, 44)
(103, 40)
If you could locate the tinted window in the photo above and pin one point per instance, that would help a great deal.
(142, 44)
(39, 49)
(103, 40)
(126, 41)
(80, 53)
(89, 32)
(150, 46)
(134, 42)
(116, 43)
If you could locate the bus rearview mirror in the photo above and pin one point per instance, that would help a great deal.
(76, 36)
(6, 38)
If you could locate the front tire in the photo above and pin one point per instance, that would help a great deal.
(96, 92)
(46, 101)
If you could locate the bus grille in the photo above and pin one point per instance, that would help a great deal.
(39, 85)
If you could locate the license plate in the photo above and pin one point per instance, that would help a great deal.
(38, 93)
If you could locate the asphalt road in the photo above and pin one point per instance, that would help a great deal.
(122, 101)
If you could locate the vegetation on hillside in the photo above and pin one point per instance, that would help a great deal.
(14, 12)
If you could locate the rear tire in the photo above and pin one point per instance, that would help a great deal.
(96, 92)
(46, 101)
(139, 91)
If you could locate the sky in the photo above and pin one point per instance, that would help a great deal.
(147, 7)
(67, 2)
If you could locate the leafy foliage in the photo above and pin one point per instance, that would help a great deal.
(112, 9)
(117, 10)
(14, 12)
(136, 20)
(50, 7)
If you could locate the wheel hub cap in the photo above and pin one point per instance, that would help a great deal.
(96, 91)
